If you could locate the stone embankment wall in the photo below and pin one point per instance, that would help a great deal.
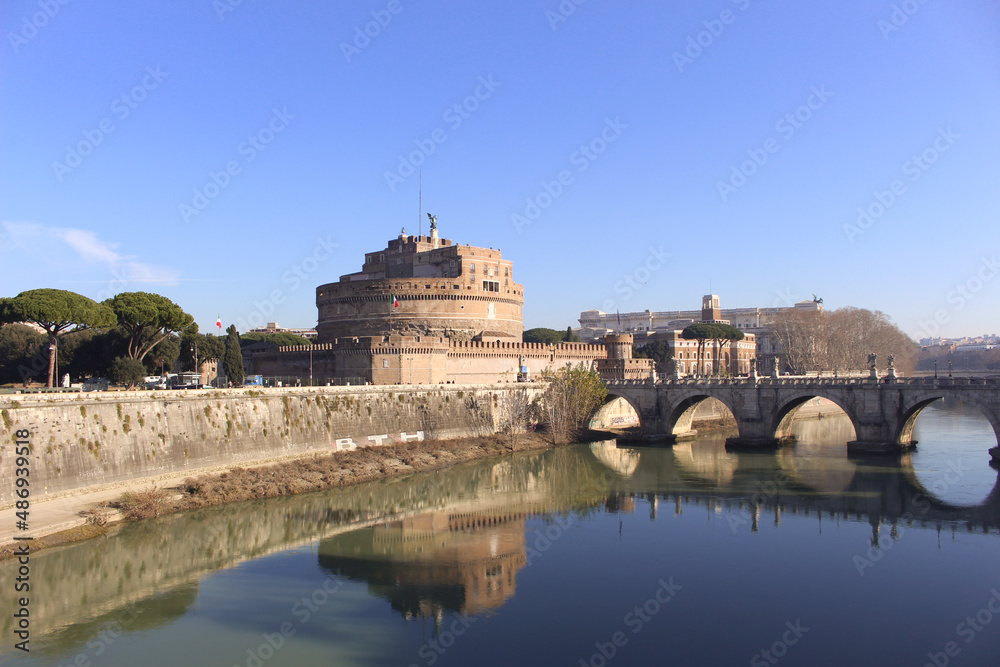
(79, 441)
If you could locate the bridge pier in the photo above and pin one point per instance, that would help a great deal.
(995, 453)
(750, 443)
(878, 447)
(658, 439)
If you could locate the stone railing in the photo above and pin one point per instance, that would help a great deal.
(812, 380)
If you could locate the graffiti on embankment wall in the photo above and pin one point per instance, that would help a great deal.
(350, 444)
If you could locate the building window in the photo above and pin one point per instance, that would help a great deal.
(491, 286)
(472, 267)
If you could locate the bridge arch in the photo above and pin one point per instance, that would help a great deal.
(915, 404)
(603, 417)
(682, 411)
(781, 420)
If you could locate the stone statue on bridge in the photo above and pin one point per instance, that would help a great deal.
(873, 372)
(775, 370)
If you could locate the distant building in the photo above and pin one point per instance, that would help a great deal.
(272, 328)
(667, 325)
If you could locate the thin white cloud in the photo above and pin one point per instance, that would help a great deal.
(85, 244)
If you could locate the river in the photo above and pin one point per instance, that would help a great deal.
(591, 554)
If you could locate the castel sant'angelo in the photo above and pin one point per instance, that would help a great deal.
(425, 310)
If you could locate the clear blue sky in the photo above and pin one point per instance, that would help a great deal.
(310, 115)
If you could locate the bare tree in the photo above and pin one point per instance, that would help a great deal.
(479, 416)
(515, 408)
(840, 340)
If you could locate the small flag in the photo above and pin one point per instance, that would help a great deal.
(218, 322)
(619, 317)
(395, 301)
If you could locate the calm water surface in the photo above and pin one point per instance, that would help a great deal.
(592, 554)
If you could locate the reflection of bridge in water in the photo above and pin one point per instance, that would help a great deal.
(883, 412)
(883, 491)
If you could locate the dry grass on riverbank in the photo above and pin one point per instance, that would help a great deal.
(325, 471)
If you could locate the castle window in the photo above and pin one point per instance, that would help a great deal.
(472, 267)
(491, 286)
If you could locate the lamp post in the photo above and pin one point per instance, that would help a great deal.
(310, 365)
(194, 350)
(935, 369)
(55, 365)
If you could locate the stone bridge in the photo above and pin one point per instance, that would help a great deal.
(883, 412)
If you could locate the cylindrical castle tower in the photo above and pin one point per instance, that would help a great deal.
(619, 345)
(424, 286)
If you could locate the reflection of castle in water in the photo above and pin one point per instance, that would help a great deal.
(460, 562)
